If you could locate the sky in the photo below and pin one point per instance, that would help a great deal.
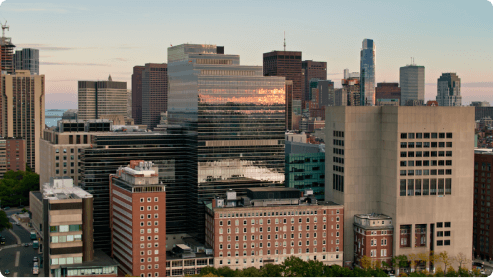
(89, 40)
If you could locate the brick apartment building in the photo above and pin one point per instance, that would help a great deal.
(138, 220)
(12, 155)
(272, 224)
(373, 237)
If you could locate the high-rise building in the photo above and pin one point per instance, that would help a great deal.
(483, 159)
(350, 75)
(287, 64)
(173, 154)
(12, 155)
(27, 59)
(312, 230)
(310, 70)
(137, 94)
(154, 93)
(138, 207)
(237, 114)
(340, 98)
(23, 111)
(387, 91)
(413, 164)
(448, 87)
(367, 73)
(351, 91)
(289, 105)
(61, 147)
(129, 104)
(483, 103)
(412, 80)
(98, 98)
(62, 217)
(6, 55)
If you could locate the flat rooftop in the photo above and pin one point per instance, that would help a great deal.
(100, 260)
(270, 189)
(373, 216)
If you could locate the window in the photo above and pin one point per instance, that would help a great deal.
(447, 224)
(439, 224)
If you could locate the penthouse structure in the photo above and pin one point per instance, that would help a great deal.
(409, 163)
(138, 219)
(269, 225)
(237, 115)
(63, 217)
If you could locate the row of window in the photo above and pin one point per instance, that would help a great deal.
(277, 244)
(69, 260)
(68, 238)
(426, 172)
(425, 187)
(338, 159)
(65, 228)
(426, 135)
(277, 213)
(338, 142)
(324, 257)
(149, 199)
(277, 221)
(277, 236)
(277, 229)
(427, 154)
(338, 134)
(338, 151)
(338, 182)
(373, 253)
(426, 144)
(149, 208)
(418, 163)
(338, 168)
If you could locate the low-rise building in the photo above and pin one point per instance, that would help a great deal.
(373, 238)
(138, 220)
(183, 260)
(272, 224)
(12, 155)
(63, 218)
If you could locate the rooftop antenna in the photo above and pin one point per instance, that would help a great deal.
(284, 39)
(4, 26)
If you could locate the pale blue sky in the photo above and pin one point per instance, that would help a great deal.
(91, 39)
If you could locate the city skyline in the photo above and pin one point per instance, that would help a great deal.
(419, 29)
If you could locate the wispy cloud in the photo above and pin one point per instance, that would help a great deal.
(120, 59)
(72, 64)
(41, 7)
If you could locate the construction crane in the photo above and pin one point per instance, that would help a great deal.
(4, 26)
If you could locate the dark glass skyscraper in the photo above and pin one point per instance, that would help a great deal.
(137, 94)
(154, 93)
(367, 73)
(237, 114)
(27, 59)
(175, 156)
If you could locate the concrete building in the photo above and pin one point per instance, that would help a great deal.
(129, 104)
(154, 93)
(289, 65)
(271, 224)
(448, 87)
(70, 114)
(12, 155)
(412, 80)
(183, 260)
(388, 102)
(373, 238)
(138, 208)
(367, 73)
(351, 92)
(62, 147)
(483, 103)
(63, 217)
(310, 70)
(349, 75)
(27, 59)
(340, 98)
(137, 94)
(97, 98)
(412, 164)
(387, 91)
(23, 111)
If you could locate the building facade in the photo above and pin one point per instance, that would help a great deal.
(482, 247)
(310, 70)
(351, 92)
(367, 73)
(23, 111)
(154, 93)
(483, 103)
(12, 155)
(448, 87)
(27, 59)
(238, 116)
(62, 217)
(61, 148)
(7, 55)
(97, 98)
(387, 91)
(138, 208)
(289, 65)
(272, 224)
(373, 238)
(174, 155)
(409, 163)
(137, 94)
(412, 80)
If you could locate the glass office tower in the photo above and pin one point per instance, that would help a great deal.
(367, 73)
(237, 114)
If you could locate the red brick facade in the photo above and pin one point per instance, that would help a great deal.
(16, 154)
(375, 244)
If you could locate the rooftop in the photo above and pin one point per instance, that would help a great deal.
(270, 189)
(373, 216)
(63, 188)
(100, 260)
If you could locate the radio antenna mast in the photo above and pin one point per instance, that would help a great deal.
(4, 26)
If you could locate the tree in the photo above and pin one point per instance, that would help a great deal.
(445, 259)
(365, 262)
(314, 269)
(451, 272)
(412, 258)
(270, 270)
(462, 259)
(294, 267)
(4, 221)
(206, 270)
(425, 257)
(252, 272)
(226, 272)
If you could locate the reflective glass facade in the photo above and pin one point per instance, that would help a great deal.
(175, 156)
(306, 171)
(238, 116)
(367, 74)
